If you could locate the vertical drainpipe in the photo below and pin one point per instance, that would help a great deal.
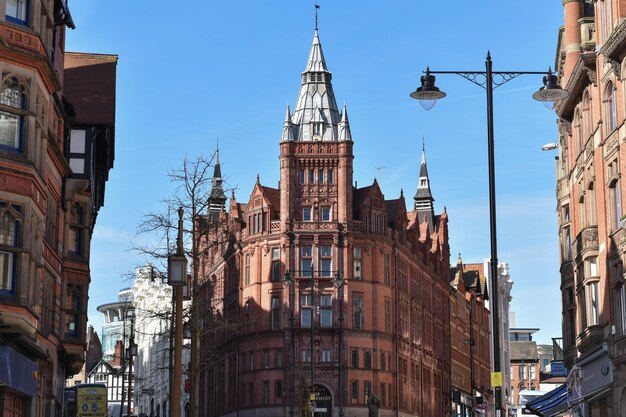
(340, 344)
(239, 303)
(292, 343)
(397, 336)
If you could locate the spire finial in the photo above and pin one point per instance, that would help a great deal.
(217, 150)
(317, 6)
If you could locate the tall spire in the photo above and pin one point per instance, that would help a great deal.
(316, 115)
(344, 125)
(217, 198)
(287, 127)
(423, 197)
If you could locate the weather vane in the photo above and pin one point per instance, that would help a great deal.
(317, 6)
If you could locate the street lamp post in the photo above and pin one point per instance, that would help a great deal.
(177, 277)
(131, 352)
(428, 94)
(338, 283)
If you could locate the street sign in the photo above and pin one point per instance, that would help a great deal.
(496, 379)
(320, 410)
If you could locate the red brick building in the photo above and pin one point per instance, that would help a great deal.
(324, 284)
(57, 115)
(469, 340)
(590, 62)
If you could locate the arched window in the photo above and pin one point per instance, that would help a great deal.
(578, 133)
(12, 113)
(610, 108)
(615, 199)
(10, 222)
(591, 204)
(587, 117)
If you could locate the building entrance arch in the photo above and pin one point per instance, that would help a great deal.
(323, 403)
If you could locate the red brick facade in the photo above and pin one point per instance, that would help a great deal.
(469, 340)
(373, 281)
(47, 207)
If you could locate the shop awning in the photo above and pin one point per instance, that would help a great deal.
(549, 404)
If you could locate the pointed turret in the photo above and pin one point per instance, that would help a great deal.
(423, 198)
(287, 127)
(316, 116)
(344, 125)
(217, 198)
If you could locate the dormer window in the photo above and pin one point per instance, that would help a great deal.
(318, 130)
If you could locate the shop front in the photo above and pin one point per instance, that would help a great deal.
(590, 384)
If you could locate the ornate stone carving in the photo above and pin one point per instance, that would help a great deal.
(610, 144)
(590, 238)
(592, 75)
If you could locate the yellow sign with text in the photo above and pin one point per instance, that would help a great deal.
(496, 379)
(91, 400)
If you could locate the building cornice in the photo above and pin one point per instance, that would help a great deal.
(614, 46)
(583, 74)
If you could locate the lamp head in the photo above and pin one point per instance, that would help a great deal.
(427, 93)
(177, 270)
(550, 146)
(551, 91)
(338, 280)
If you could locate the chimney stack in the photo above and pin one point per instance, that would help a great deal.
(119, 354)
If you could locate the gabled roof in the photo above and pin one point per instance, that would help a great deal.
(272, 196)
(476, 279)
(359, 195)
(103, 367)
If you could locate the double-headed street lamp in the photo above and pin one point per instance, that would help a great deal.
(428, 94)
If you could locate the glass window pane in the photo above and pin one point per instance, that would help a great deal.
(16, 9)
(9, 130)
(326, 319)
(77, 141)
(306, 268)
(325, 266)
(305, 315)
(6, 271)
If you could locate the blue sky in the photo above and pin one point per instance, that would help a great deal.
(227, 70)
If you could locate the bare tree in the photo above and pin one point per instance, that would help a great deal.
(193, 184)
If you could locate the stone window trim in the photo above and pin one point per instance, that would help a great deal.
(14, 99)
(11, 225)
(18, 12)
(609, 100)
